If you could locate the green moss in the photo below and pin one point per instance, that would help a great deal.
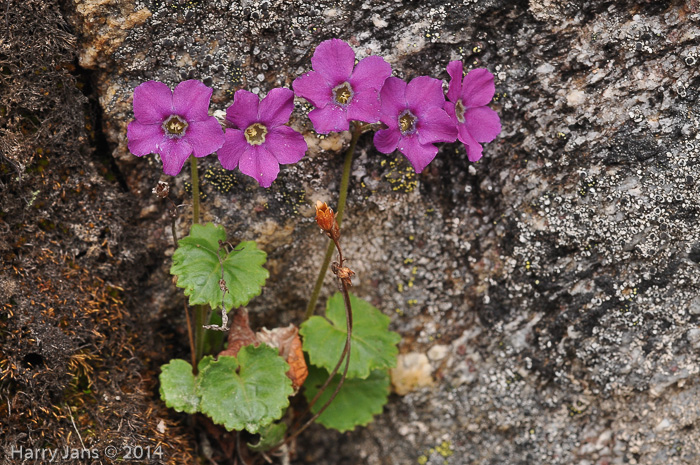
(40, 164)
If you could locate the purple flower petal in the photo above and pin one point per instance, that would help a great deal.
(276, 108)
(144, 138)
(424, 93)
(314, 88)
(370, 73)
(205, 136)
(393, 99)
(386, 140)
(191, 100)
(418, 154)
(334, 60)
(153, 102)
(365, 106)
(482, 123)
(244, 110)
(287, 145)
(234, 146)
(174, 153)
(259, 163)
(474, 149)
(450, 110)
(478, 88)
(436, 126)
(328, 119)
(455, 70)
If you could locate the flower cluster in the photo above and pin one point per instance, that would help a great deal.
(414, 115)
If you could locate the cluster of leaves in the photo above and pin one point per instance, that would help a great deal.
(251, 390)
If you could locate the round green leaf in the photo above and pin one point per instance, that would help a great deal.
(196, 265)
(356, 403)
(373, 345)
(177, 386)
(248, 391)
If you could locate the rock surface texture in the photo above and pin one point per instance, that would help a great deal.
(547, 296)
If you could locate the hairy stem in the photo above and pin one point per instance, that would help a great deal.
(344, 183)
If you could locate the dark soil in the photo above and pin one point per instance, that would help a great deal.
(79, 355)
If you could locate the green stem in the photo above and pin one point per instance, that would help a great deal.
(200, 316)
(344, 183)
(195, 190)
(199, 312)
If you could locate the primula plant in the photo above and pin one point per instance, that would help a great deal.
(340, 361)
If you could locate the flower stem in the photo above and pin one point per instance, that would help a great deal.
(200, 317)
(190, 337)
(199, 311)
(345, 356)
(195, 190)
(298, 427)
(344, 183)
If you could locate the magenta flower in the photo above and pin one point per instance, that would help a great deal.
(467, 107)
(415, 118)
(339, 90)
(259, 142)
(173, 124)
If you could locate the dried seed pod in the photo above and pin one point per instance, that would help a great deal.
(326, 220)
(343, 273)
(162, 189)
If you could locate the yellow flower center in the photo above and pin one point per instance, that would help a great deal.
(255, 134)
(459, 111)
(407, 122)
(342, 94)
(175, 126)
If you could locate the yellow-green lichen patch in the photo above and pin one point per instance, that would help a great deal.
(222, 180)
(400, 175)
(444, 450)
